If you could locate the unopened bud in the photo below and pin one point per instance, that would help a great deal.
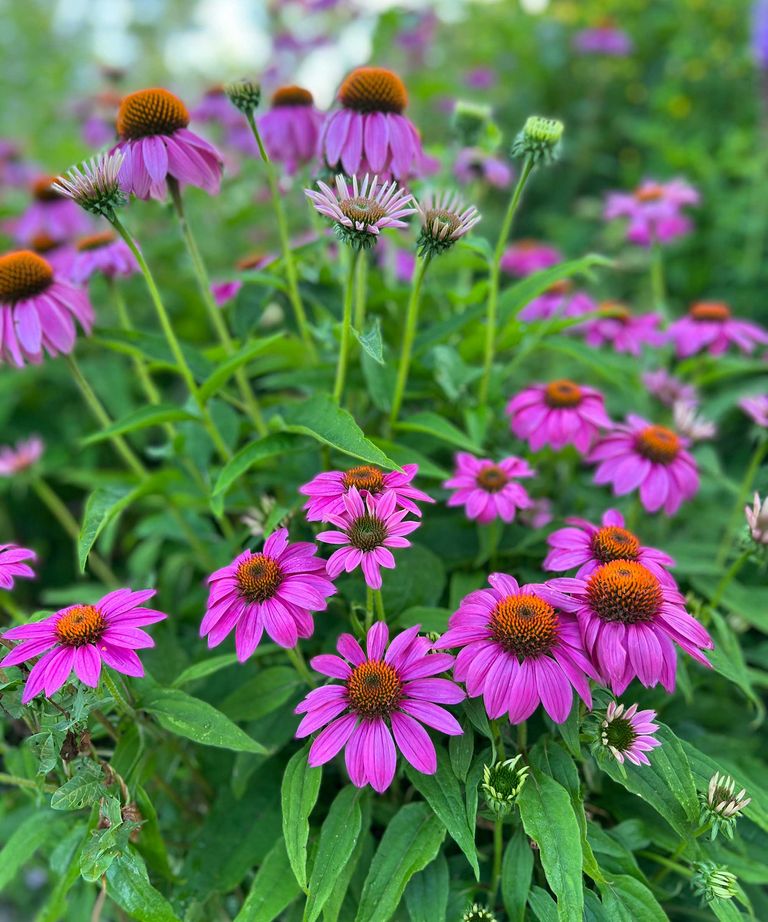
(713, 882)
(540, 140)
(470, 122)
(721, 806)
(244, 94)
(502, 783)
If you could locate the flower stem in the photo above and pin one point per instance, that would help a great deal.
(346, 329)
(117, 695)
(361, 286)
(493, 280)
(26, 783)
(173, 342)
(498, 741)
(368, 608)
(297, 658)
(728, 577)
(741, 496)
(411, 325)
(379, 600)
(285, 243)
(522, 736)
(658, 283)
(498, 853)
(68, 522)
(214, 312)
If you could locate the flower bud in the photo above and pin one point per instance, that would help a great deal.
(478, 913)
(757, 519)
(721, 806)
(540, 140)
(713, 881)
(470, 122)
(502, 783)
(244, 94)
(95, 185)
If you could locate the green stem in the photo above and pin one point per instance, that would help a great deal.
(498, 853)
(368, 608)
(658, 283)
(346, 329)
(665, 862)
(285, 243)
(498, 741)
(214, 312)
(26, 783)
(741, 496)
(118, 697)
(731, 574)
(522, 736)
(406, 350)
(493, 279)
(361, 291)
(379, 600)
(68, 522)
(172, 340)
(297, 658)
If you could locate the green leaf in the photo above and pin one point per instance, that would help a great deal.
(430, 618)
(274, 445)
(204, 668)
(320, 419)
(728, 659)
(25, 840)
(274, 888)
(628, 900)
(549, 819)
(371, 341)
(443, 794)
(461, 749)
(543, 906)
(262, 694)
(129, 886)
(338, 837)
(516, 872)
(411, 840)
(227, 368)
(426, 896)
(154, 415)
(343, 880)
(197, 720)
(666, 784)
(301, 785)
(439, 428)
(82, 790)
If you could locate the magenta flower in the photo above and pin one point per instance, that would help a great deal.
(400, 262)
(709, 325)
(589, 546)
(630, 622)
(628, 734)
(473, 164)
(326, 491)
(37, 310)
(103, 254)
(667, 389)
(558, 414)
(18, 457)
(520, 647)
(157, 144)
(367, 530)
(640, 454)
(389, 690)
(653, 210)
(539, 514)
(224, 292)
(488, 490)
(275, 590)
(625, 331)
(369, 134)
(559, 300)
(757, 408)
(215, 107)
(291, 128)
(51, 216)
(605, 39)
(528, 256)
(81, 637)
(12, 564)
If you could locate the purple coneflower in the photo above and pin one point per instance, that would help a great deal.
(224, 292)
(18, 457)
(528, 256)
(326, 491)
(367, 529)
(37, 310)
(81, 637)
(361, 212)
(690, 423)
(628, 734)
(157, 144)
(653, 210)
(275, 590)
(101, 254)
(709, 325)
(559, 300)
(215, 107)
(488, 490)
(50, 214)
(653, 458)
(369, 134)
(444, 220)
(12, 564)
(520, 647)
(388, 690)
(630, 622)
(604, 39)
(757, 408)
(473, 164)
(625, 331)
(589, 546)
(757, 519)
(558, 414)
(667, 389)
(291, 128)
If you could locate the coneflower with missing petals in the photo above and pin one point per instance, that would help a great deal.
(721, 806)
(361, 212)
(444, 220)
(95, 184)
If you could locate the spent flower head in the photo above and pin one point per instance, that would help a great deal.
(95, 184)
(713, 881)
(721, 805)
(444, 220)
(244, 94)
(540, 140)
(502, 783)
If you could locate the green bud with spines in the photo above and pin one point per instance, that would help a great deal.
(540, 140)
(470, 122)
(244, 94)
(721, 805)
(502, 784)
(713, 882)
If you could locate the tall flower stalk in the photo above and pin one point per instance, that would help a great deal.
(409, 335)
(346, 326)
